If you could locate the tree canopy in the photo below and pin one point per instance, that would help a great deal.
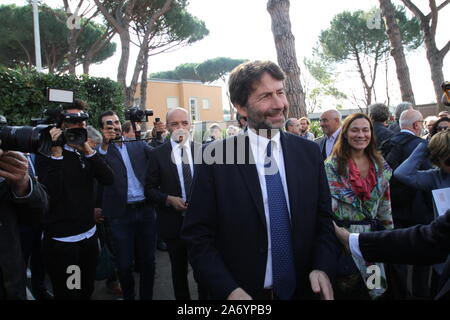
(17, 38)
(207, 71)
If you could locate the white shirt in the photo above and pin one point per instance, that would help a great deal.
(329, 144)
(176, 157)
(258, 146)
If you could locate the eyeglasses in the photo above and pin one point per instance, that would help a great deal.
(439, 128)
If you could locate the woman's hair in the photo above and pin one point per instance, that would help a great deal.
(439, 147)
(436, 124)
(342, 149)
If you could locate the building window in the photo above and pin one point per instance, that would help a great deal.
(194, 109)
(172, 102)
(205, 103)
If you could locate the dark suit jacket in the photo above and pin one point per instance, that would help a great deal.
(162, 180)
(421, 244)
(381, 132)
(115, 196)
(225, 225)
(12, 212)
(322, 145)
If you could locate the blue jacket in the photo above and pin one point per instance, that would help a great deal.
(410, 174)
(114, 198)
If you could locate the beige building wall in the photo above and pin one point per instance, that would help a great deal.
(204, 102)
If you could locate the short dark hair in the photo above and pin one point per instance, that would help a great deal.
(246, 75)
(126, 126)
(379, 112)
(434, 128)
(288, 123)
(77, 104)
(104, 114)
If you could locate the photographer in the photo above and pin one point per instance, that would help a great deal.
(69, 227)
(124, 203)
(22, 200)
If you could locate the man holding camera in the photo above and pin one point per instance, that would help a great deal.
(22, 200)
(70, 247)
(125, 205)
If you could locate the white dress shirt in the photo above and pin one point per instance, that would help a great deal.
(176, 157)
(329, 144)
(258, 147)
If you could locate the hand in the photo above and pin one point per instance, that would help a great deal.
(84, 149)
(55, 133)
(158, 127)
(177, 203)
(343, 236)
(14, 168)
(239, 294)
(98, 215)
(320, 283)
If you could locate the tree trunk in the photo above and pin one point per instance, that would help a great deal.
(287, 59)
(436, 62)
(123, 63)
(143, 102)
(395, 39)
(428, 24)
(72, 55)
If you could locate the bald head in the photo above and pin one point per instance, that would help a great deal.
(177, 112)
(330, 121)
(411, 120)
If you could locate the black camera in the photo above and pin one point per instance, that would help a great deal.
(25, 138)
(55, 117)
(137, 115)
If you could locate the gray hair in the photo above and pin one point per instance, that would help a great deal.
(379, 112)
(288, 122)
(402, 106)
(94, 135)
(408, 117)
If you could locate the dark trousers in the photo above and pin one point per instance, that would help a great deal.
(60, 256)
(179, 264)
(133, 232)
(31, 241)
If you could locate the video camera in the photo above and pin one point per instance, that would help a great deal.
(134, 115)
(37, 138)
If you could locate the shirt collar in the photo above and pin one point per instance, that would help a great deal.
(335, 134)
(407, 131)
(260, 142)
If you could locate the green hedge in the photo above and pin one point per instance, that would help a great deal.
(22, 94)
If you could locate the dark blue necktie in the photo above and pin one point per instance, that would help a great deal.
(283, 270)
(187, 175)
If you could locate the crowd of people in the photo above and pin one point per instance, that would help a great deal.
(264, 211)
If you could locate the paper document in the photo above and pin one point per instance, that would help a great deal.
(442, 200)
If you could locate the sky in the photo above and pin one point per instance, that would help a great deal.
(242, 29)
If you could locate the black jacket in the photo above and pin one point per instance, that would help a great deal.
(12, 212)
(70, 185)
(162, 180)
(382, 133)
(417, 245)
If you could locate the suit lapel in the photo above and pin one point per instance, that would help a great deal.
(250, 177)
(116, 153)
(172, 165)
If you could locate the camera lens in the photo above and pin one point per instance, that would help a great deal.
(26, 139)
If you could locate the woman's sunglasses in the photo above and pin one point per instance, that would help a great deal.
(439, 128)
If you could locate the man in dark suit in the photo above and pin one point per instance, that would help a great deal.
(379, 113)
(421, 244)
(258, 224)
(330, 122)
(22, 200)
(167, 185)
(125, 205)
